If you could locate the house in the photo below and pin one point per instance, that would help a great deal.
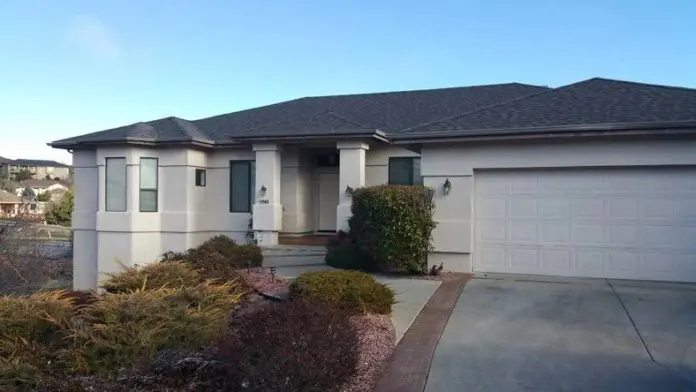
(592, 179)
(12, 205)
(40, 169)
(40, 186)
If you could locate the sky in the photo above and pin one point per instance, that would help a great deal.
(71, 67)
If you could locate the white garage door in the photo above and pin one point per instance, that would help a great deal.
(610, 223)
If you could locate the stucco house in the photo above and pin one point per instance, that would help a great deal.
(592, 179)
(40, 186)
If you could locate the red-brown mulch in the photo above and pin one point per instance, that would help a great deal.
(377, 341)
(261, 280)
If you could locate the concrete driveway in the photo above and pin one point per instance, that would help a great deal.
(542, 334)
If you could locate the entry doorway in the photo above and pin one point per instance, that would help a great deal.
(326, 198)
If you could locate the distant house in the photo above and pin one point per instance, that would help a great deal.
(40, 186)
(39, 168)
(12, 205)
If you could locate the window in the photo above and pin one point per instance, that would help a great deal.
(115, 184)
(405, 171)
(148, 184)
(13, 168)
(32, 169)
(242, 185)
(200, 177)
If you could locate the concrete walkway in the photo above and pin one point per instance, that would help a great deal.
(411, 294)
(544, 334)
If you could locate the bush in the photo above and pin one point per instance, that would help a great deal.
(152, 276)
(219, 258)
(292, 346)
(60, 213)
(392, 225)
(351, 290)
(34, 330)
(349, 256)
(120, 329)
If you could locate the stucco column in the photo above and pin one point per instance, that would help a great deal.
(351, 174)
(267, 210)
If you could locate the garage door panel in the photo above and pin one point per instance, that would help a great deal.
(614, 223)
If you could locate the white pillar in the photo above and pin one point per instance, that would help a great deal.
(352, 174)
(267, 210)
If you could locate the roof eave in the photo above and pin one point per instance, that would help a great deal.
(74, 144)
(549, 131)
(371, 134)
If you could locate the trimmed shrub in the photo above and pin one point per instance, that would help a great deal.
(300, 346)
(120, 329)
(152, 276)
(392, 225)
(351, 290)
(33, 332)
(219, 258)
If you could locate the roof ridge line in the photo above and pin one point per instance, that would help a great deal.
(336, 114)
(487, 107)
(692, 89)
(426, 89)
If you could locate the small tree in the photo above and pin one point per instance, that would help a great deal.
(23, 175)
(60, 213)
(45, 196)
(28, 192)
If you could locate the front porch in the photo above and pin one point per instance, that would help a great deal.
(301, 193)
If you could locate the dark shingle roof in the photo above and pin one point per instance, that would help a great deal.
(37, 162)
(591, 102)
(384, 111)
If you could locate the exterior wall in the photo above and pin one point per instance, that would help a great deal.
(453, 240)
(377, 163)
(60, 172)
(296, 191)
(187, 215)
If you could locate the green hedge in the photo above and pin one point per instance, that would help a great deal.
(392, 226)
(351, 290)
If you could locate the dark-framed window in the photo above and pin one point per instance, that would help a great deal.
(149, 178)
(242, 185)
(405, 171)
(115, 189)
(200, 177)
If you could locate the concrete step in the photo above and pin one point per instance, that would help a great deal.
(293, 255)
(292, 261)
(293, 250)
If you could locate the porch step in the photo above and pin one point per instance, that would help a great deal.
(293, 255)
(293, 250)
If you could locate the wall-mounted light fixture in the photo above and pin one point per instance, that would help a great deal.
(349, 191)
(263, 190)
(447, 187)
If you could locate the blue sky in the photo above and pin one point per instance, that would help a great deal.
(72, 67)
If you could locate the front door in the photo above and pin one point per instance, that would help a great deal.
(327, 200)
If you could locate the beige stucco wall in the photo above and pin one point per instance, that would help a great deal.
(459, 163)
(187, 215)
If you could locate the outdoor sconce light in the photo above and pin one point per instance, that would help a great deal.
(349, 191)
(447, 187)
(263, 190)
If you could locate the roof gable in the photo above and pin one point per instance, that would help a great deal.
(590, 102)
